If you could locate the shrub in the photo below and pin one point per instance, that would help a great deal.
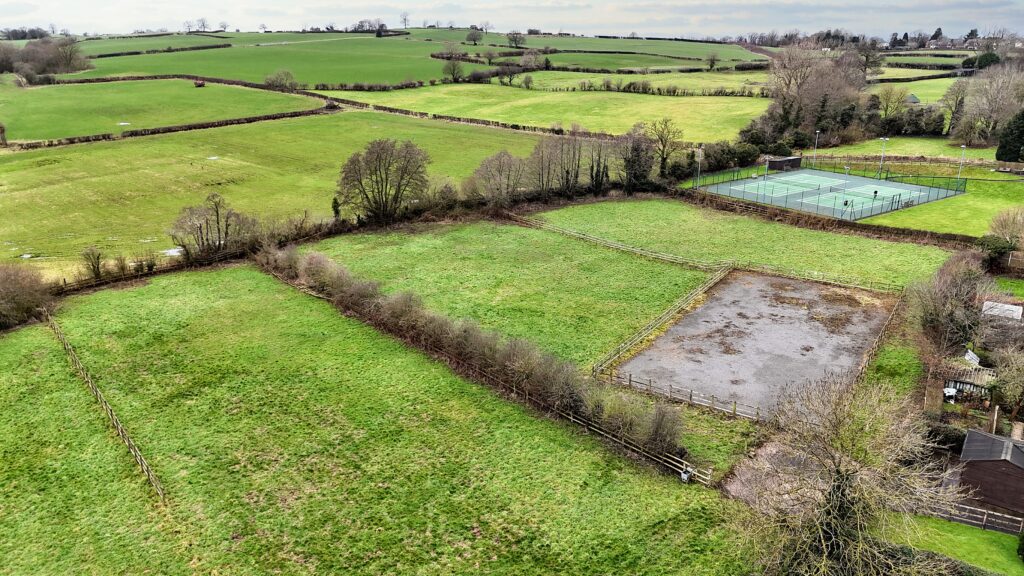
(23, 294)
(92, 259)
(1011, 140)
(946, 436)
(948, 306)
(1008, 225)
(995, 249)
(281, 80)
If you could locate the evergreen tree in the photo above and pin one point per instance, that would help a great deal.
(1011, 142)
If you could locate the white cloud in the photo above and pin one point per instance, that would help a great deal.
(688, 18)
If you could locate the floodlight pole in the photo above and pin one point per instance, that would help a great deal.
(963, 154)
(700, 150)
(814, 160)
(881, 163)
(766, 164)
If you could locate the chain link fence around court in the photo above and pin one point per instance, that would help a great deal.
(832, 190)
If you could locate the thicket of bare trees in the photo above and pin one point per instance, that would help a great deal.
(377, 182)
(46, 56)
(211, 228)
(948, 306)
(848, 463)
(993, 97)
(636, 159)
(23, 294)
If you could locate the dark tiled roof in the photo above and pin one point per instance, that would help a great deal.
(983, 446)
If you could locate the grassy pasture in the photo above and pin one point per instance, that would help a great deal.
(911, 146)
(1014, 286)
(923, 60)
(968, 213)
(573, 298)
(670, 48)
(928, 91)
(72, 500)
(690, 80)
(612, 61)
(123, 195)
(678, 228)
(703, 118)
(905, 73)
(334, 60)
(290, 437)
(80, 109)
(143, 43)
(993, 551)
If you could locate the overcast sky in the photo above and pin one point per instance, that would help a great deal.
(687, 18)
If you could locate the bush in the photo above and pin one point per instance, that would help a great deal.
(281, 80)
(948, 437)
(745, 154)
(23, 294)
(995, 249)
(92, 259)
(948, 306)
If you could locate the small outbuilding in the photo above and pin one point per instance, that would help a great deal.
(994, 469)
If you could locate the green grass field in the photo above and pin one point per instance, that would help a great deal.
(335, 59)
(923, 60)
(968, 213)
(905, 73)
(123, 196)
(911, 146)
(678, 228)
(292, 438)
(993, 551)
(570, 297)
(669, 48)
(143, 43)
(81, 109)
(1014, 286)
(928, 91)
(689, 80)
(573, 298)
(703, 118)
(72, 500)
(613, 61)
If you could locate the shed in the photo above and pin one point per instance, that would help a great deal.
(994, 469)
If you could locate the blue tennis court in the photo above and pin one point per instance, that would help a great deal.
(844, 196)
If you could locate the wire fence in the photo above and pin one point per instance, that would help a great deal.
(865, 190)
(115, 422)
(730, 407)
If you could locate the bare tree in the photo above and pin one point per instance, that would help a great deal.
(188, 25)
(474, 36)
(211, 228)
(954, 100)
(948, 306)
(202, 25)
(486, 27)
(531, 60)
(490, 56)
(453, 70)
(1010, 379)
(223, 25)
(892, 100)
(404, 17)
(23, 293)
(542, 166)
(849, 462)
(636, 154)
(507, 73)
(374, 183)
(498, 179)
(668, 141)
(995, 95)
(1009, 225)
(263, 27)
(599, 153)
(869, 58)
(516, 39)
(569, 154)
(712, 60)
(92, 260)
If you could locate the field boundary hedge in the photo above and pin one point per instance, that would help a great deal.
(485, 376)
(115, 422)
(952, 74)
